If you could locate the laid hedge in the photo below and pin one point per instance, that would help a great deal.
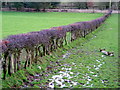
(41, 43)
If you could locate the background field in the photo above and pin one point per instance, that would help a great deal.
(22, 22)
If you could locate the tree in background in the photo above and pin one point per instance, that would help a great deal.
(7, 5)
(90, 4)
(36, 5)
(42, 6)
(45, 5)
(18, 5)
(54, 5)
(81, 5)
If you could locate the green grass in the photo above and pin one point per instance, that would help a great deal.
(85, 55)
(22, 22)
(83, 52)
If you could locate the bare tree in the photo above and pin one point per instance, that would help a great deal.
(90, 4)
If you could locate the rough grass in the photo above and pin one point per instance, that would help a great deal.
(87, 58)
(22, 22)
(90, 69)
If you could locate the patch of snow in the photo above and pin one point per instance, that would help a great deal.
(63, 85)
(56, 76)
(103, 62)
(58, 79)
(87, 82)
(58, 82)
(102, 81)
(39, 67)
(74, 83)
(97, 68)
(103, 56)
(63, 68)
(73, 63)
(36, 75)
(91, 85)
(66, 55)
(71, 72)
(95, 75)
(60, 72)
(25, 86)
(99, 65)
(67, 69)
(94, 65)
(91, 72)
(51, 85)
(97, 60)
(89, 79)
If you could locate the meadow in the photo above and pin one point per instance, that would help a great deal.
(22, 22)
(80, 60)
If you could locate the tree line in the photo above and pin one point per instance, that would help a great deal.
(35, 5)
(42, 6)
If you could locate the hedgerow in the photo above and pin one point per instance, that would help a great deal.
(40, 43)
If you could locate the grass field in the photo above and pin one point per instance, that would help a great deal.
(81, 60)
(22, 22)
